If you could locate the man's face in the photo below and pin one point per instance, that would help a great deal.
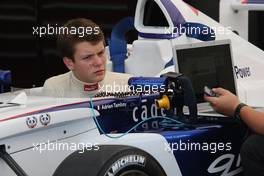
(89, 62)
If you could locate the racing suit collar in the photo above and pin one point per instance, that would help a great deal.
(87, 87)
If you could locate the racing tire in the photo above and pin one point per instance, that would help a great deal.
(132, 162)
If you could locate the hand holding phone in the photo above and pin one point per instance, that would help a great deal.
(209, 92)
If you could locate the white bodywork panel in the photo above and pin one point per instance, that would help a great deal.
(234, 14)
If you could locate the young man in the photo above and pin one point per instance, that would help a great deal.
(82, 47)
(252, 151)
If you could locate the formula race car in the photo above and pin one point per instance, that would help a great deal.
(136, 133)
(170, 131)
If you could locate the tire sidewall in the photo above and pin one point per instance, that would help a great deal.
(131, 159)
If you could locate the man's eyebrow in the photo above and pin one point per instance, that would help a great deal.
(101, 50)
(86, 55)
(91, 54)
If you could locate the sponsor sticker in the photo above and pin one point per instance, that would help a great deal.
(91, 87)
(31, 122)
(44, 119)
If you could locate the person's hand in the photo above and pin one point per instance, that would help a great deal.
(225, 103)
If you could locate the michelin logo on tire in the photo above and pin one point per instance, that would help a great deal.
(124, 162)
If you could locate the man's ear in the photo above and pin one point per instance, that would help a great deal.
(69, 63)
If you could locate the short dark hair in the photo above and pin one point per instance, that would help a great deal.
(68, 39)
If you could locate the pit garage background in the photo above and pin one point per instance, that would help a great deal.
(33, 59)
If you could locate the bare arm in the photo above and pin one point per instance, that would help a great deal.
(254, 119)
(226, 104)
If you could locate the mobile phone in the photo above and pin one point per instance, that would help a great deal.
(209, 92)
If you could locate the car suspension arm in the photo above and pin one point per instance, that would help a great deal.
(11, 162)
